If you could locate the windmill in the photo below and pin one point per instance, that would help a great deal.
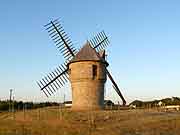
(86, 69)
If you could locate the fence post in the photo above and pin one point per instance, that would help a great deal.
(24, 113)
(39, 114)
(59, 112)
(13, 109)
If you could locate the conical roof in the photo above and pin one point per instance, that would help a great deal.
(102, 54)
(87, 53)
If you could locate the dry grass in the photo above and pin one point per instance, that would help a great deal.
(52, 121)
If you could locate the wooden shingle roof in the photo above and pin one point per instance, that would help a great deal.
(87, 53)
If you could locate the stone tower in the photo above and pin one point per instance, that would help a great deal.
(87, 71)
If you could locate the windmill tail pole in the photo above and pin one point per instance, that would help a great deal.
(116, 87)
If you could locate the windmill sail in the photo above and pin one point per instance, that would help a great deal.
(54, 80)
(61, 39)
(99, 42)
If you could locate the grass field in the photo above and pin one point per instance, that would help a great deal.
(55, 121)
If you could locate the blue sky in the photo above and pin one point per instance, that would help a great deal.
(143, 53)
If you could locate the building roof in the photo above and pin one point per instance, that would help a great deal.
(67, 102)
(108, 102)
(87, 53)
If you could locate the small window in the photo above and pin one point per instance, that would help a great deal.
(94, 71)
(69, 71)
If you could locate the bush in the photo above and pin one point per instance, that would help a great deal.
(19, 105)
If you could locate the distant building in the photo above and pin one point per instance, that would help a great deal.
(160, 103)
(172, 107)
(132, 106)
(68, 103)
(136, 103)
(108, 103)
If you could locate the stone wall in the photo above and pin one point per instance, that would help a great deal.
(87, 88)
